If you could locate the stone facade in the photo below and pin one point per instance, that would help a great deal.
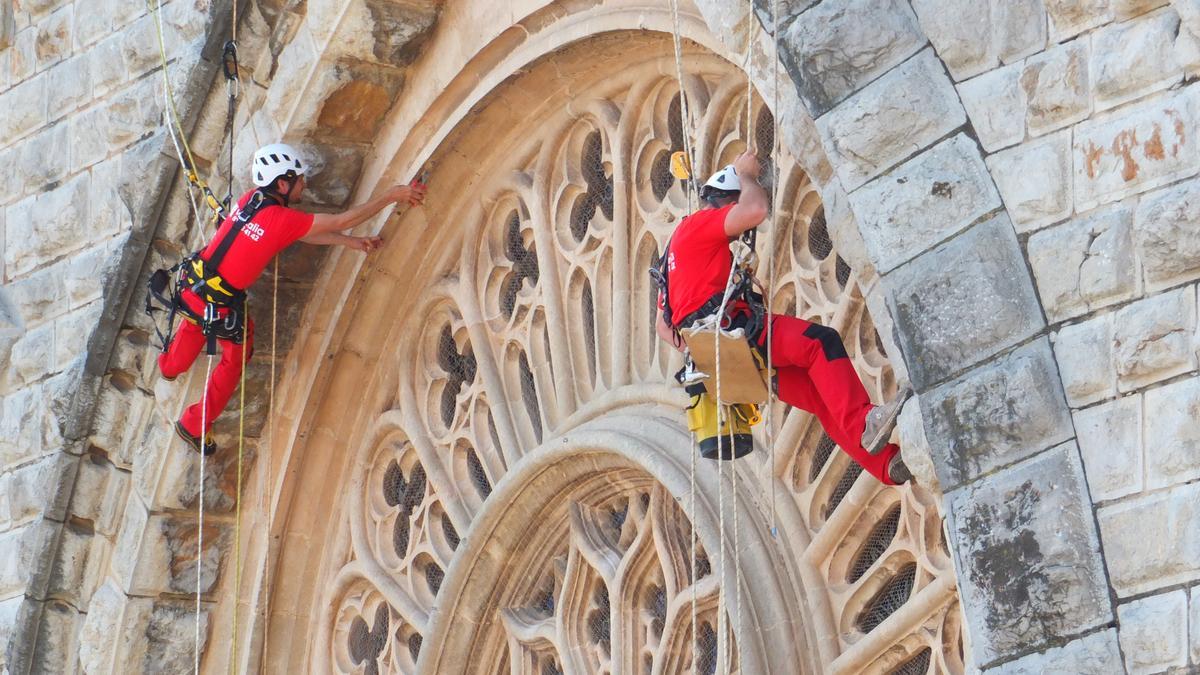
(1010, 188)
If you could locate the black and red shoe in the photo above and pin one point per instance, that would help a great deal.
(210, 446)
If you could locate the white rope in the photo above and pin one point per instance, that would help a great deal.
(695, 571)
(200, 507)
(686, 123)
(770, 289)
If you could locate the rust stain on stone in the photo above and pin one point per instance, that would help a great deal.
(1123, 146)
(355, 110)
(1092, 158)
(1153, 148)
(1180, 131)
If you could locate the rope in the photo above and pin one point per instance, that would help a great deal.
(200, 507)
(237, 521)
(737, 545)
(268, 471)
(685, 114)
(770, 290)
(695, 571)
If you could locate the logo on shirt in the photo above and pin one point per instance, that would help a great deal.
(670, 261)
(253, 230)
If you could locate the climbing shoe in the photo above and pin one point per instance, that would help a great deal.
(716, 439)
(898, 471)
(210, 446)
(881, 419)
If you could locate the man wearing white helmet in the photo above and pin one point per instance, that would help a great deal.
(813, 371)
(215, 279)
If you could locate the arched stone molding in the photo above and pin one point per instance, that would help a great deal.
(379, 359)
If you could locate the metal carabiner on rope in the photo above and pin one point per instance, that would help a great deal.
(229, 63)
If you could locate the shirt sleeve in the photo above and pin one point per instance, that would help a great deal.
(713, 229)
(294, 225)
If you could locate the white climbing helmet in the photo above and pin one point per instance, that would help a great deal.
(275, 161)
(725, 179)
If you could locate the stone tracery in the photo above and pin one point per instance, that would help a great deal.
(559, 256)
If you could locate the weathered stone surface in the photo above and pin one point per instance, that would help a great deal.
(54, 225)
(1021, 28)
(30, 357)
(41, 489)
(1057, 86)
(906, 110)
(996, 415)
(99, 495)
(835, 48)
(170, 637)
(1142, 147)
(1027, 556)
(1167, 234)
(1152, 338)
(1187, 42)
(41, 295)
(1085, 361)
(1034, 179)
(160, 556)
(27, 563)
(70, 85)
(114, 631)
(108, 65)
(53, 41)
(1097, 653)
(1173, 434)
(914, 445)
(1085, 264)
(1130, 60)
(995, 103)
(924, 201)
(961, 31)
(1154, 633)
(297, 59)
(24, 109)
(1127, 9)
(963, 302)
(45, 159)
(23, 58)
(1152, 542)
(76, 572)
(1110, 441)
(1069, 18)
(1194, 622)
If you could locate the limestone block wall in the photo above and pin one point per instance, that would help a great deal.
(80, 178)
(1022, 175)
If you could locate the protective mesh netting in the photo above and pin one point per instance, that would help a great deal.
(890, 598)
(917, 665)
(877, 543)
(368, 642)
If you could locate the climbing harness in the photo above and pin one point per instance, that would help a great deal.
(223, 317)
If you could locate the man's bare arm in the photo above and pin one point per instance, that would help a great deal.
(753, 204)
(364, 244)
(667, 334)
(338, 222)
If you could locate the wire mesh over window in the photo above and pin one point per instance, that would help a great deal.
(449, 532)
(599, 193)
(819, 243)
(876, 544)
(917, 665)
(821, 454)
(478, 476)
(889, 599)
(459, 368)
(524, 262)
(407, 493)
(414, 646)
(706, 650)
(588, 309)
(434, 575)
(843, 488)
(367, 643)
(529, 395)
(843, 272)
(600, 620)
(764, 146)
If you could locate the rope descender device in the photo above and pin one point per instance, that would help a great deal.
(229, 64)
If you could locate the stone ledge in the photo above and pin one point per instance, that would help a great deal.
(1097, 653)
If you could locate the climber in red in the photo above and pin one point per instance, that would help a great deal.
(213, 282)
(813, 371)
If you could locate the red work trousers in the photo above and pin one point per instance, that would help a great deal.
(187, 344)
(815, 374)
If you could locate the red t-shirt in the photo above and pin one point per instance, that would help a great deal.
(698, 261)
(271, 230)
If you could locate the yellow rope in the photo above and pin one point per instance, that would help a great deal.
(268, 473)
(237, 521)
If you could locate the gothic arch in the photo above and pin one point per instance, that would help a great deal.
(453, 383)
